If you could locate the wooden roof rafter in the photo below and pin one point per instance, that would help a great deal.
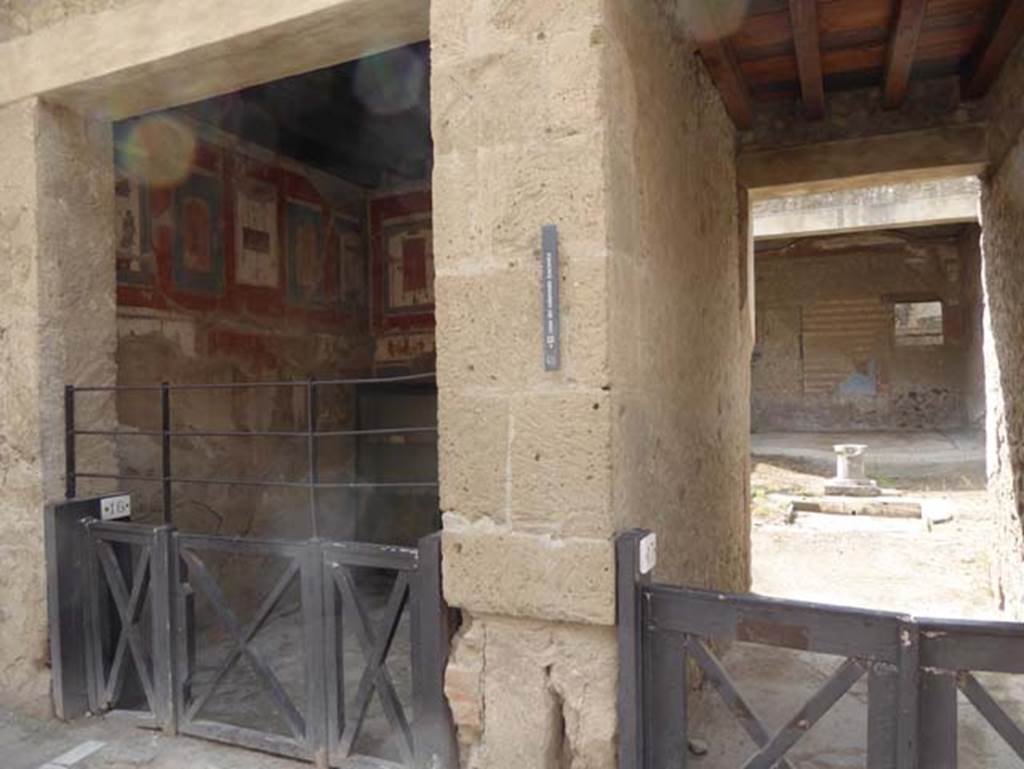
(807, 43)
(996, 51)
(899, 61)
(720, 59)
(763, 51)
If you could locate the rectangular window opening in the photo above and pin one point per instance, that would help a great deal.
(918, 324)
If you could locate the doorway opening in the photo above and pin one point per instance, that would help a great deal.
(868, 403)
(283, 233)
(276, 408)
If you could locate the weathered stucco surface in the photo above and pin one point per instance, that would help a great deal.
(859, 113)
(23, 17)
(534, 694)
(57, 323)
(679, 316)
(1002, 246)
(1002, 220)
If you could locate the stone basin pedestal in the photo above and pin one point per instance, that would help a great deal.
(851, 479)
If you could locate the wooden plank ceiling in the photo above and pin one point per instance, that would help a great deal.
(807, 49)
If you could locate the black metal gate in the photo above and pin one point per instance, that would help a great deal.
(281, 645)
(914, 669)
(136, 615)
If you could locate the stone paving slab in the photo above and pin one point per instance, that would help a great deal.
(32, 743)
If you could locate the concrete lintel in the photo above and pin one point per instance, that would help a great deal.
(164, 53)
(907, 156)
(902, 205)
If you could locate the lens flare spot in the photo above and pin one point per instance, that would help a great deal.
(158, 151)
(390, 82)
(710, 20)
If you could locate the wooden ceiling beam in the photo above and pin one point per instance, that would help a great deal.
(725, 71)
(899, 61)
(933, 153)
(720, 59)
(998, 49)
(804, 17)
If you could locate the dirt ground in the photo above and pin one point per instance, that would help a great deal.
(897, 565)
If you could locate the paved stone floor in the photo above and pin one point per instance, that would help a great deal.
(240, 699)
(28, 743)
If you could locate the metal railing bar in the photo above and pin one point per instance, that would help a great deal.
(279, 484)
(291, 548)
(112, 433)
(340, 555)
(256, 385)
(120, 527)
(312, 454)
(260, 433)
(114, 388)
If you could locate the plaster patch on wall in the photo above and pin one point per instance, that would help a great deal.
(861, 383)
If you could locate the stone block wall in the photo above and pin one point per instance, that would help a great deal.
(596, 116)
(520, 138)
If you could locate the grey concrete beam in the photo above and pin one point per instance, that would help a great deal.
(899, 205)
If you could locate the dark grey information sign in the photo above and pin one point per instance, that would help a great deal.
(552, 320)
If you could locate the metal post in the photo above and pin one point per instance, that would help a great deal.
(937, 741)
(312, 586)
(69, 442)
(67, 602)
(93, 627)
(883, 715)
(893, 704)
(907, 723)
(665, 688)
(629, 610)
(163, 594)
(433, 731)
(314, 472)
(334, 659)
(165, 416)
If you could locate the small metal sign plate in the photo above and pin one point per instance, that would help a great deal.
(551, 320)
(112, 508)
(648, 553)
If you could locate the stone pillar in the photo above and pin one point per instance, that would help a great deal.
(520, 141)
(57, 325)
(595, 116)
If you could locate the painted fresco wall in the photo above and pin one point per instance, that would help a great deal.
(826, 356)
(243, 266)
(402, 279)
